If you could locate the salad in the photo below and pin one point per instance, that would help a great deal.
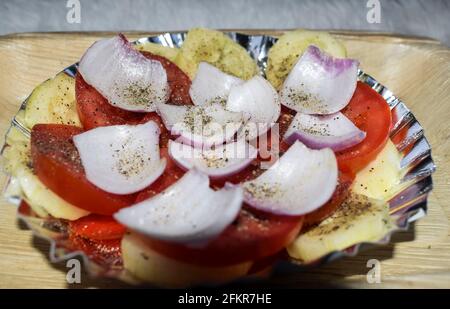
(189, 165)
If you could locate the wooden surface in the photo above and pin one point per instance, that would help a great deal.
(415, 69)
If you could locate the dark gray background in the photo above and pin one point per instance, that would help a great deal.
(411, 17)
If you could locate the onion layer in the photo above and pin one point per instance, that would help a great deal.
(124, 76)
(222, 161)
(331, 131)
(301, 181)
(211, 85)
(319, 83)
(259, 101)
(187, 212)
(121, 159)
(201, 126)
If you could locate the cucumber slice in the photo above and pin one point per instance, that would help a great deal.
(291, 45)
(217, 49)
(17, 152)
(39, 196)
(358, 219)
(53, 101)
(17, 162)
(160, 50)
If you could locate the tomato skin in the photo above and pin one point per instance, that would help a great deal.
(252, 236)
(171, 174)
(179, 82)
(267, 262)
(57, 164)
(340, 193)
(369, 112)
(105, 252)
(97, 227)
(95, 111)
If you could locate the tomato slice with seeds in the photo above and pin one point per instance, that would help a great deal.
(369, 112)
(95, 111)
(57, 164)
(97, 227)
(252, 236)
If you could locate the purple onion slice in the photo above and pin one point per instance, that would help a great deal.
(333, 131)
(201, 126)
(222, 161)
(319, 83)
(187, 212)
(259, 101)
(211, 85)
(125, 77)
(121, 159)
(301, 181)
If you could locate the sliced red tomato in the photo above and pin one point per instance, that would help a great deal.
(179, 82)
(266, 262)
(94, 110)
(57, 164)
(284, 121)
(250, 172)
(342, 190)
(171, 174)
(251, 236)
(370, 113)
(105, 252)
(97, 227)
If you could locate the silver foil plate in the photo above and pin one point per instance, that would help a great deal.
(407, 205)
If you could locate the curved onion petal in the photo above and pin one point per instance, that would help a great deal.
(124, 76)
(301, 181)
(200, 126)
(330, 131)
(259, 101)
(222, 161)
(188, 212)
(121, 159)
(211, 85)
(319, 83)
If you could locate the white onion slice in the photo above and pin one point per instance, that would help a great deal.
(187, 212)
(319, 83)
(201, 126)
(259, 101)
(333, 131)
(121, 159)
(125, 77)
(211, 85)
(301, 181)
(223, 160)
